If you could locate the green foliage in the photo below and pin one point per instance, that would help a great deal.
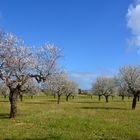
(79, 119)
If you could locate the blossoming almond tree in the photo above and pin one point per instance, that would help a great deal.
(18, 64)
(56, 84)
(130, 77)
(15, 60)
(46, 62)
(71, 89)
(104, 86)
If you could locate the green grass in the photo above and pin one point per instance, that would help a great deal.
(81, 118)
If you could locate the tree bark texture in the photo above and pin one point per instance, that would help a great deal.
(13, 103)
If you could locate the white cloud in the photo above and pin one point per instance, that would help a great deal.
(133, 22)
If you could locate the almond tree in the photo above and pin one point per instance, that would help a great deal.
(121, 87)
(15, 60)
(104, 86)
(130, 77)
(56, 84)
(71, 88)
(97, 87)
(18, 64)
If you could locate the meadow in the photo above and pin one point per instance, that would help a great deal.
(81, 118)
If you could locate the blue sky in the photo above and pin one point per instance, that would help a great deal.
(94, 34)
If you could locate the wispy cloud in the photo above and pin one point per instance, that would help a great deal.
(85, 79)
(133, 23)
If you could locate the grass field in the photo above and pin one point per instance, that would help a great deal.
(81, 118)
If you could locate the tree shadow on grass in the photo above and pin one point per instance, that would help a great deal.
(27, 139)
(4, 115)
(46, 138)
(92, 102)
(51, 100)
(46, 102)
(120, 101)
(4, 101)
(37, 103)
(89, 102)
(104, 108)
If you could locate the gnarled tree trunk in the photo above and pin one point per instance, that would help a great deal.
(134, 102)
(13, 103)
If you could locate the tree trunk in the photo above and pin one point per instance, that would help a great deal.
(122, 97)
(72, 97)
(106, 97)
(134, 102)
(31, 96)
(99, 97)
(67, 98)
(58, 101)
(13, 103)
(21, 97)
(138, 98)
(5, 96)
(91, 96)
